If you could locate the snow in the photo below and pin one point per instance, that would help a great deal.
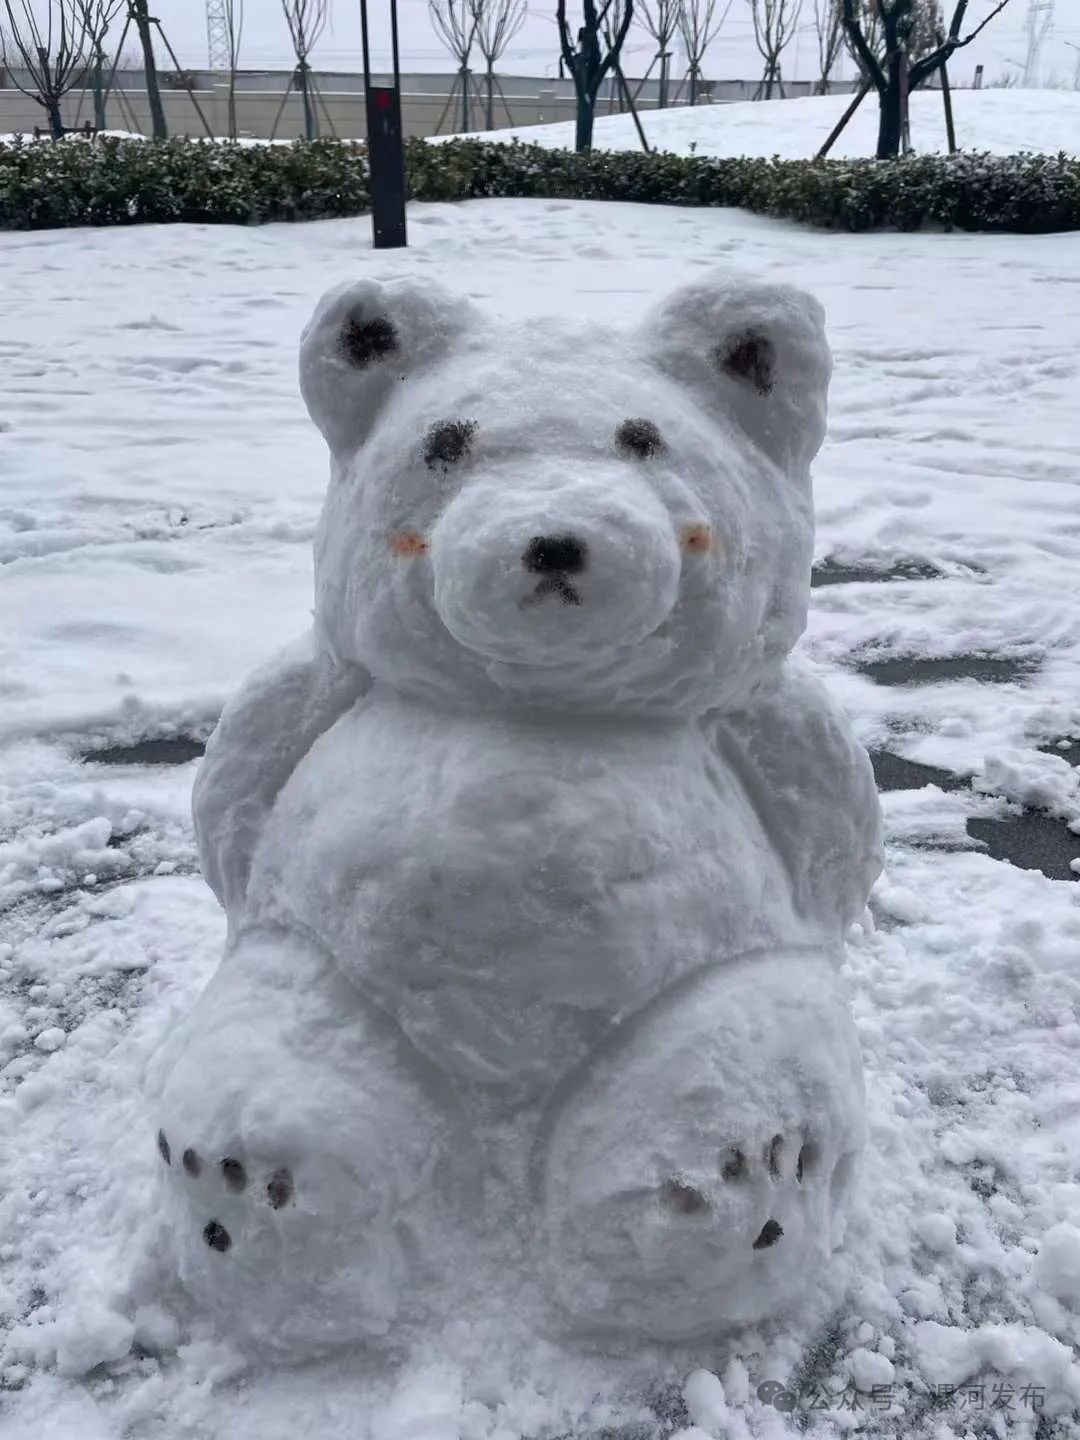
(161, 488)
(1001, 122)
(1057, 1268)
(937, 1232)
(869, 1369)
(705, 1400)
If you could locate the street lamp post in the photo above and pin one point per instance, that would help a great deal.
(386, 152)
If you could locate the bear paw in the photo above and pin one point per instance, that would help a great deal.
(227, 1187)
(696, 1174)
(313, 1171)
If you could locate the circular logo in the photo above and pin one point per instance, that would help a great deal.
(772, 1392)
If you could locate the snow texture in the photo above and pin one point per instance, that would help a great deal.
(161, 487)
(996, 121)
(527, 981)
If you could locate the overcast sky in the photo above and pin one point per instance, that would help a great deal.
(534, 52)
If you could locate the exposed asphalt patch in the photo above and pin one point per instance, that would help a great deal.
(175, 751)
(920, 670)
(1031, 841)
(1067, 750)
(832, 572)
(891, 772)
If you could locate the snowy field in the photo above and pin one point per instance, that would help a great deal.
(999, 121)
(159, 482)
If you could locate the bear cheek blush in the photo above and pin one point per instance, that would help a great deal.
(408, 544)
(696, 539)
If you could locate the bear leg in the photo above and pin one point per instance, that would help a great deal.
(312, 1168)
(694, 1174)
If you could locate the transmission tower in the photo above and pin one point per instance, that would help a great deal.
(217, 35)
(1040, 17)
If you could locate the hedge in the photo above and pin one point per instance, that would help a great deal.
(1020, 193)
(115, 181)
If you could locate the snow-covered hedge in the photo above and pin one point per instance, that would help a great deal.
(1025, 193)
(114, 181)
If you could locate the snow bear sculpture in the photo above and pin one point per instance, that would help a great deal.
(538, 852)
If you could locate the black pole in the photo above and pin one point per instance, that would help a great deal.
(386, 152)
(834, 134)
(625, 88)
(946, 97)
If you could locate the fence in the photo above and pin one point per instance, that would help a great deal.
(428, 104)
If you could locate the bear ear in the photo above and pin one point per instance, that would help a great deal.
(753, 350)
(363, 340)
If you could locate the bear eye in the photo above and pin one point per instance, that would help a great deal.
(639, 439)
(447, 442)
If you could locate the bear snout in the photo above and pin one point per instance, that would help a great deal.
(550, 575)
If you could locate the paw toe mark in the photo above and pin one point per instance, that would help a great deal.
(233, 1173)
(735, 1167)
(191, 1162)
(279, 1188)
(163, 1147)
(807, 1162)
(771, 1232)
(774, 1155)
(683, 1199)
(217, 1237)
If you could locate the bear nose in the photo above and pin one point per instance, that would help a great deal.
(555, 555)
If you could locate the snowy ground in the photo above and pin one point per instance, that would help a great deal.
(159, 487)
(999, 121)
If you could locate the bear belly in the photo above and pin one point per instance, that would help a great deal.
(507, 891)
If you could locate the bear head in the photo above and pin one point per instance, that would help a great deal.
(564, 516)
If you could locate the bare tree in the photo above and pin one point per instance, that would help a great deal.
(455, 22)
(51, 50)
(234, 29)
(306, 20)
(775, 22)
(496, 23)
(698, 27)
(592, 55)
(97, 16)
(661, 19)
(889, 67)
(829, 25)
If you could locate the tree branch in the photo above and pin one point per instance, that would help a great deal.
(853, 30)
(981, 26)
(922, 69)
(569, 54)
(53, 74)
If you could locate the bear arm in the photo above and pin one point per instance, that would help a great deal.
(264, 732)
(812, 785)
